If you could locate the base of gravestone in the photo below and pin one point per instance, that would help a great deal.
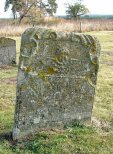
(31, 132)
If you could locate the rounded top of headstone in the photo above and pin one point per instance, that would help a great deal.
(44, 33)
(6, 42)
(34, 34)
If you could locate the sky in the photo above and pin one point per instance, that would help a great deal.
(94, 6)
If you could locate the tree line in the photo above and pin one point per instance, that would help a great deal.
(36, 9)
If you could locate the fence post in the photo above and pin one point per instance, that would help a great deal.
(80, 26)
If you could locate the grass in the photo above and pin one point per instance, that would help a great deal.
(103, 108)
(76, 139)
(12, 30)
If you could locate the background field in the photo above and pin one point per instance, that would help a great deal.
(12, 28)
(94, 139)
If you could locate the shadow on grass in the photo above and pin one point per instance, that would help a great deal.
(8, 137)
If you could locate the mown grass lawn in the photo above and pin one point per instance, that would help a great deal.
(95, 139)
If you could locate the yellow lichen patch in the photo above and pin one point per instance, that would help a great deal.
(42, 75)
(28, 69)
(52, 70)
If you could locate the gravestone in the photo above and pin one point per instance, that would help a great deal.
(56, 80)
(7, 51)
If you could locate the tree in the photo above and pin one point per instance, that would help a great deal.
(7, 4)
(31, 8)
(52, 7)
(76, 10)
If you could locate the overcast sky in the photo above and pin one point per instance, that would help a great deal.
(95, 7)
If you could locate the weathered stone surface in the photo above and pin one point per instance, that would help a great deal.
(56, 80)
(7, 51)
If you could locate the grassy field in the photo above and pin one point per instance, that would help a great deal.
(77, 139)
(12, 28)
